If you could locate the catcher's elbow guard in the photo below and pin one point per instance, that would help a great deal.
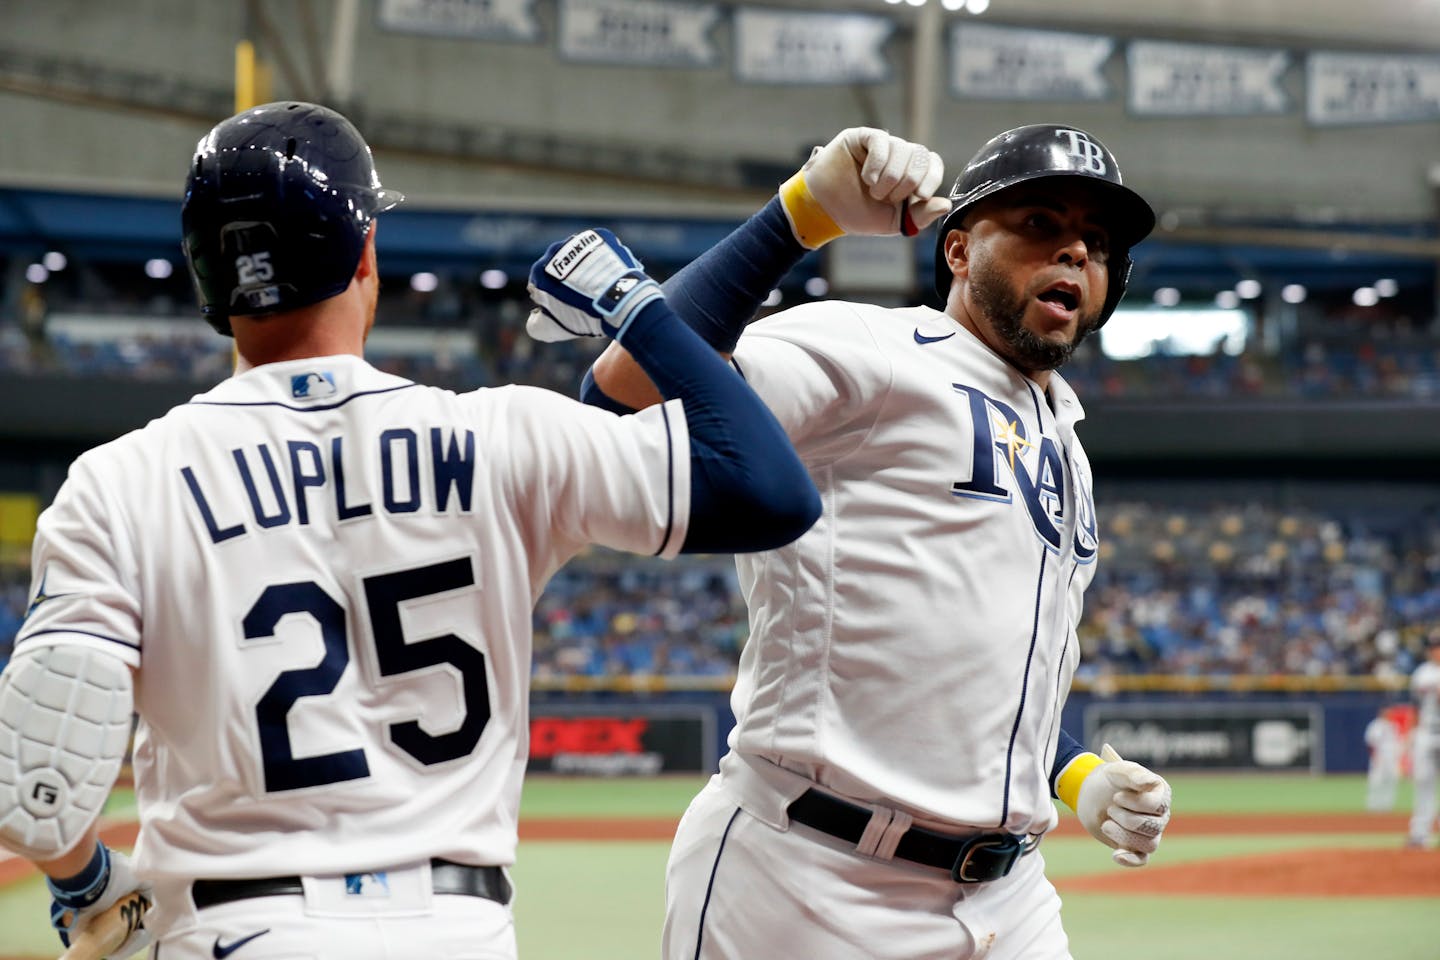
(64, 724)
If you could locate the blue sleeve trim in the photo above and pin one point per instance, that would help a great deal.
(1067, 749)
(82, 633)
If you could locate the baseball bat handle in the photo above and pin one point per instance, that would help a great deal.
(107, 932)
(907, 221)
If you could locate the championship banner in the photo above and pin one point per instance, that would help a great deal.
(1008, 63)
(1345, 88)
(479, 19)
(651, 32)
(1210, 736)
(772, 46)
(1200, 80)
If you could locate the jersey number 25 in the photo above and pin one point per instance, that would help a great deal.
(383, 596)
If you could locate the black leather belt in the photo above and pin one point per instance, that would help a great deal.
(445, 877)
(976, 858)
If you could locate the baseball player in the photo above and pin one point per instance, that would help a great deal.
(1386, 745)
(1425, 746)
(314, 582)
(898, 704)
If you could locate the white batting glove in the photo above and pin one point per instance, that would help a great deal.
(72, 910)
(1124, 806)
(865, 182)
(589, 285)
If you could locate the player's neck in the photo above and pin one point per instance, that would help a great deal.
(330, 328)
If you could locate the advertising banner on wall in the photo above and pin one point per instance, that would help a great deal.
(650, 32)
(1009, 63)
(1349, 88)
(1210, 736)
(774, 46)
(629, 740)
(1197, 79)
(481, 19)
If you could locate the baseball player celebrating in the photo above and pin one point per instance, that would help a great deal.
(1425, 745)
(898, 703)
(314, 582)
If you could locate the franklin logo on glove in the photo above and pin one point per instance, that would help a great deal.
(570, 255)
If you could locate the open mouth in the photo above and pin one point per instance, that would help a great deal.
(1064, 295)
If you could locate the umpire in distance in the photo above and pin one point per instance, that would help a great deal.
(314, 583)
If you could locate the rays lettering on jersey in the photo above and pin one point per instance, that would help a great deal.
(1002, 448)
(278, 481)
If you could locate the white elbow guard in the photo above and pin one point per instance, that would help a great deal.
(64, 724)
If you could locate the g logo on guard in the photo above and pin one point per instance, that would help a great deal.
(43, 792)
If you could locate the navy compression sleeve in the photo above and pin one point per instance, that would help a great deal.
(748, 488)
(720, 291)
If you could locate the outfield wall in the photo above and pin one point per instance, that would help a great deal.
(591, 728)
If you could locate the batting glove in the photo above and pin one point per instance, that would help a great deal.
(866, 182)
(1124, 806)
(587, 286)
(79, 900)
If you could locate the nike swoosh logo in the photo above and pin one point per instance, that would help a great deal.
(921, 338)
(219, 952)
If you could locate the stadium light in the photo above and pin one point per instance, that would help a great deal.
(1248, 289)
(1386, 287)
(817, 286)
(1167, 296)
(978, 7)
(424, 282)
(493, 279)
(55, 262)
(36, 273)
(1227, 299)
(953, 6)
(158, 268)
(1365, 297)
(774, 299)
(1293, 293)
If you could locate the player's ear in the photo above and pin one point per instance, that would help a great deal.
(957, 251)
(368, 265)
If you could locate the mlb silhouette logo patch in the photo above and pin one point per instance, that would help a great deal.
(367, 885)
(313, 385)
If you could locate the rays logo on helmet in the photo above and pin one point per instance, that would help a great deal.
(1090, 154)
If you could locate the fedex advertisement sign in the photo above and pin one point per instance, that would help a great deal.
(627, 742)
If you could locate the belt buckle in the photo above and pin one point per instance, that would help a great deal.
(1005, 848)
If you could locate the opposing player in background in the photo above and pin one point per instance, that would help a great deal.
(1425, 746)
(898, 702)
(1385, 739)
(314, 582)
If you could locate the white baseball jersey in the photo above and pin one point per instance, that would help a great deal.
(916, 646)
(325, 575)
(1425, 685)
(1425, 751)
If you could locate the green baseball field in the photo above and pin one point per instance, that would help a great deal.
(1252, 868)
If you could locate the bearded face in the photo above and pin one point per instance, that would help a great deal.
(995, 297)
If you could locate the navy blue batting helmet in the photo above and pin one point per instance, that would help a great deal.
(278, 202)
(1046, 150)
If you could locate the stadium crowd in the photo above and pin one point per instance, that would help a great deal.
(1231, 589)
